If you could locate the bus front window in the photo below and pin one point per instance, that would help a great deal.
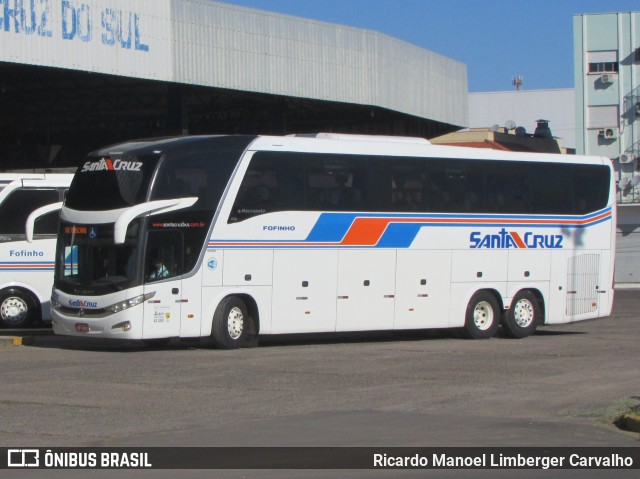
(89, 259)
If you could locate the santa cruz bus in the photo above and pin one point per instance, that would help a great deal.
(231, 237)
(26, 269)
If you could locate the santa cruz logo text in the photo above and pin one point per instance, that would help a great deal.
(80, 303)
(513, 239)
(111, 165)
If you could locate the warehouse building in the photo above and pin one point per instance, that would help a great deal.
(79, 74)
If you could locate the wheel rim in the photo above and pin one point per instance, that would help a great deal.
(14, 310)
(523, 313)
(483, 315)
(235, 323)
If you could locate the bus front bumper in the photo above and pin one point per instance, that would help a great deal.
(122, 325)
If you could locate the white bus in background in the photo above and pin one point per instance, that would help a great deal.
(26, 269)
(231, 237)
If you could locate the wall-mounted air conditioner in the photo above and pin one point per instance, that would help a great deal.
(608, 133)
(606, 78)
(625, 158)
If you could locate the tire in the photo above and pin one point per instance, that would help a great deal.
(230, 324)
(483, 316)
(523, 316)
(18, 309)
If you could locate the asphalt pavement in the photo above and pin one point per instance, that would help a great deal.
(562, 387)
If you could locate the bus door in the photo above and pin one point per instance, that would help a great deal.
(163, 265)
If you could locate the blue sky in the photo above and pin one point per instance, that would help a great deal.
(496, 39)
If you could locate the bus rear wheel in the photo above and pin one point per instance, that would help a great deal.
(483, 316)
(230, 323)
(18, 309)
(523, 316)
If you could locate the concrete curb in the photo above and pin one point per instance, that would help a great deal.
(17, 340)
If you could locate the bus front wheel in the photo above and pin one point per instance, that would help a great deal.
(230, 323)
(523, 316)
(18, 309)
(483, 316)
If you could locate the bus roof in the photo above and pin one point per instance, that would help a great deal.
(403, 146)
(167, 144)
(338, 143)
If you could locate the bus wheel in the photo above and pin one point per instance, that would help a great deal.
(522, 318)
(230, 323)
(483, 316)
(17, 309)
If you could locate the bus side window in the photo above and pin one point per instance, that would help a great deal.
(254, 197)
(336, 183)
(47, 224)
(402, 185)
(261, 190)
(164, 255)
(590, 188)
(20, 203)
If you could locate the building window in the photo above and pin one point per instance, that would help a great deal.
(604, 67)
(603, 62)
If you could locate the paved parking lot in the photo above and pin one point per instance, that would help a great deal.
(560, 387)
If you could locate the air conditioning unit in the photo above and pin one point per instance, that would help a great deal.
(625, 158)
(638, 108)
(606, 78)
(608, 133)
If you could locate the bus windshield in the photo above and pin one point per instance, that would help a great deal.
(89, 261)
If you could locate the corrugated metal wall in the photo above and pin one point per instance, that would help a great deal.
(233, 47)
(121, 37)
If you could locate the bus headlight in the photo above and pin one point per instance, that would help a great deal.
(129, 303)
(125, 326)
(55, 304)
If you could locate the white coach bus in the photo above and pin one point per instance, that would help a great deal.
(230, 237)
(26, 269)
